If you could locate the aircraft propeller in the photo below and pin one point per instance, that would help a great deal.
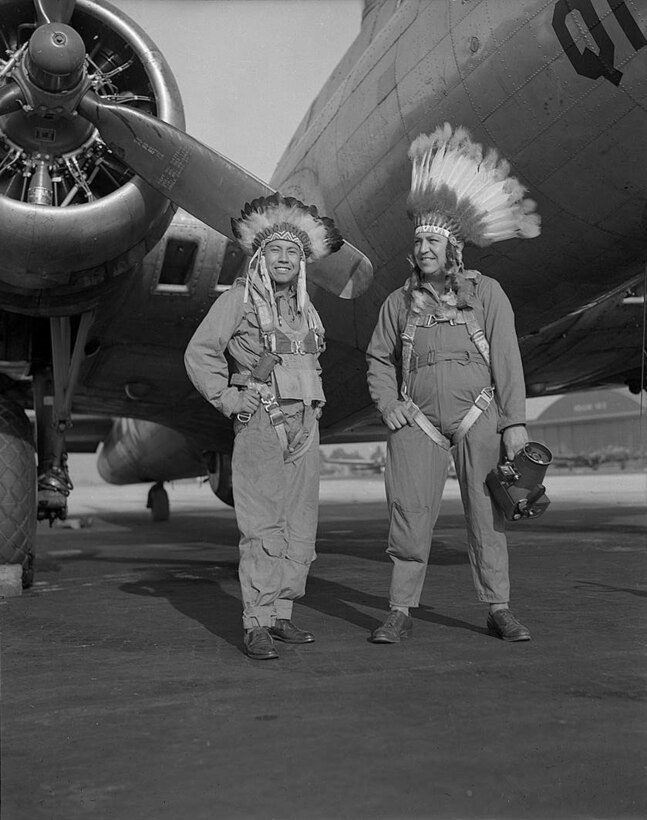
(54, 11)
(52, 76)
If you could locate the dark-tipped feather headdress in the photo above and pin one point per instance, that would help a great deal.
(276, 217)
(272, 217)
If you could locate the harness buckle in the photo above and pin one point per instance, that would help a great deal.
(296, 346)
(484, 398)
(430, 320)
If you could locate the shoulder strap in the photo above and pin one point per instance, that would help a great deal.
(265, 320)
(477, 335)
(407, 337)
(315, 324)
(466, 282)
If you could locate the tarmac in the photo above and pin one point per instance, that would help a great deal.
(125, 693)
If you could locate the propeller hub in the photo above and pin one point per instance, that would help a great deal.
(56, 57)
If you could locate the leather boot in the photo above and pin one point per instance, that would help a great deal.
(504, 625)
(258, 644)
(286, 631)
(396, 627)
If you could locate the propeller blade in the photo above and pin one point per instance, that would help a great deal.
(347, 273)
(54, 11)
(204, 183)
(10, 96)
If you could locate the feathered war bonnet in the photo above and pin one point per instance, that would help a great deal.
(276, 217)
(461, 194)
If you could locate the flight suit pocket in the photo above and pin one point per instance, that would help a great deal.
(276, 547)
(409, 532)
(301, 552)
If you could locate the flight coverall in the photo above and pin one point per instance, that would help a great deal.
(276, 492)
(447, 374)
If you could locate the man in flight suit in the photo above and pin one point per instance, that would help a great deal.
(267, 328)
(445, 372)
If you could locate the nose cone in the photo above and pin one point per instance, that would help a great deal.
(56, 56)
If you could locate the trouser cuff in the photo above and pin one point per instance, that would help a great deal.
(260, 616)
(283, 609)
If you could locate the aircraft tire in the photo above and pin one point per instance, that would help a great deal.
(158, 502)
(18, 501)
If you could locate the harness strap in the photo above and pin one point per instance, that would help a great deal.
(270, 404)
(272, 341)
(302, 442)
(434, 356)
(409, 363)
(268, 330)
(481, 404)
(477, 335)
(285, 345)
(426, 426)
(407, 337)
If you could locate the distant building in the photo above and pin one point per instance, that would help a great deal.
(588, 422)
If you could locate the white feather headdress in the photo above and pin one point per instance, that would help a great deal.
(461, 194)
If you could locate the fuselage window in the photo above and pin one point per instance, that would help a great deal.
(177, 267)
(232, 266)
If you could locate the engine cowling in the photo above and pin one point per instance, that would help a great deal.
(136, 450)
(73, 217)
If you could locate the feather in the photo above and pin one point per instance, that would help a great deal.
(273, 215)
(457, 187)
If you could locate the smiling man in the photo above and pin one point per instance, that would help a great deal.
(444, 370)
(266, 326)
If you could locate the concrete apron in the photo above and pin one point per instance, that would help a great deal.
(125, 693)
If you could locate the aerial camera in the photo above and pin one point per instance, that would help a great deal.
(516, 486)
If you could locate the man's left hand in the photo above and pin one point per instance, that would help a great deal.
(514, 439)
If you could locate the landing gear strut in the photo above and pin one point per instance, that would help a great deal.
(53, 391)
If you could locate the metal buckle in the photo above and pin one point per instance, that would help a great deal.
(296, 346)
(484, 398)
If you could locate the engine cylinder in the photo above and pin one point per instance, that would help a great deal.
(55, 57)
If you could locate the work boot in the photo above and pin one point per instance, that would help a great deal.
(504, 625)
(396, 627)
(286, 631)
(258, 644)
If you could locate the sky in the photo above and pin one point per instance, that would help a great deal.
(248, 69)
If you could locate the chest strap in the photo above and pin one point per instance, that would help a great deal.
(434, 356)
(284, 345)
